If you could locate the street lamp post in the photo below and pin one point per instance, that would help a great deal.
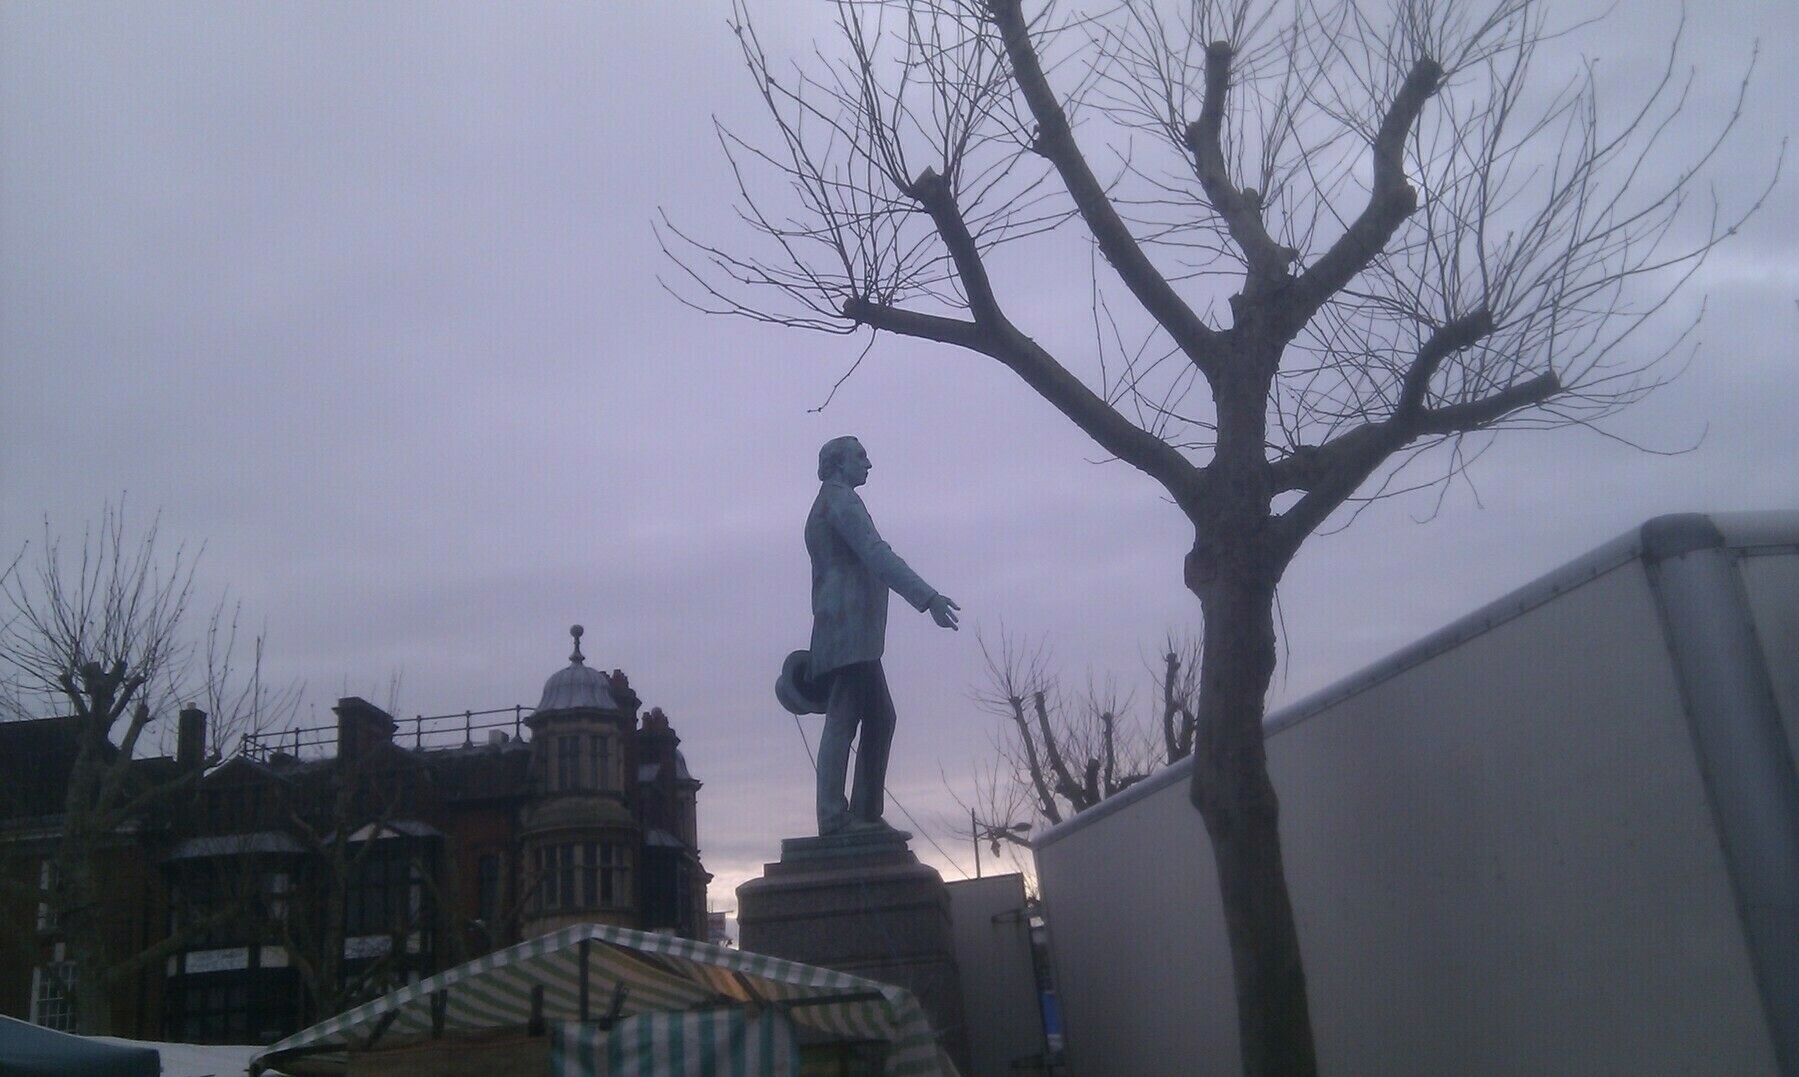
(991, 833)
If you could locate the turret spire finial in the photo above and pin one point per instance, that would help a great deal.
(577, 657)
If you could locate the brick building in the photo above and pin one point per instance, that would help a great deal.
(320, 867)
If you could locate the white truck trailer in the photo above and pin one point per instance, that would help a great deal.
(1560, 836)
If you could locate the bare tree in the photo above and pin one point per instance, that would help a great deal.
(1333, 240)
(99, 637)
(1060, 752)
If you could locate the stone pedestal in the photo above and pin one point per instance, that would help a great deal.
(864, 905)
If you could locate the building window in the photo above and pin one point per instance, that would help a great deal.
(568, 763)
(603, 778)
(590, 875)
(46, 883)
(565, 876)
(52, 996)
(368, 897)
(274, 896)
(613, 892)
(583, 761)
(385, 896)
(583, 875)
(217, 1011)
(240, 1006)
(545, 864)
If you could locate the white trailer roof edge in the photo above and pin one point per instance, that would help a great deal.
(1655, 540)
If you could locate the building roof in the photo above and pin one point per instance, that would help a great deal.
(649, 772)
(35, 759)
(576, 685)
(658, 838)
(579, 812)
(37, 756)
(402, 828)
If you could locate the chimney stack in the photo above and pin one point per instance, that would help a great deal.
(656, 741)
(360, 727)
(190, 739)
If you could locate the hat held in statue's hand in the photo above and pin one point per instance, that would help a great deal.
(795, 688)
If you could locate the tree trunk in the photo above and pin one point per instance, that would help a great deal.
(83, 933)
(77, 899)
(86, 948)
(1236, 799)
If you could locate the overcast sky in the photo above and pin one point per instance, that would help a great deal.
(365, 298)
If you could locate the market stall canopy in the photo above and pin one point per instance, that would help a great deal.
(29, 1050)
(599, 974)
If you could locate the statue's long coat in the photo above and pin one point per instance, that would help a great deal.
(852, 570)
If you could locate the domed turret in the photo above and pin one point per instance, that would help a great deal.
(582, 840)
(576, 685)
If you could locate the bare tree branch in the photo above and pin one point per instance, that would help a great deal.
(1073, 751)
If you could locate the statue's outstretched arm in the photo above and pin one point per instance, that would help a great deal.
(849, 517)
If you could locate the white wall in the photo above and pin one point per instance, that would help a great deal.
(999, 981)
(1502, 861)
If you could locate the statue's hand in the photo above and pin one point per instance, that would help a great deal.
(943, 611)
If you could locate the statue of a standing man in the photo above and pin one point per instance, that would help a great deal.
(852, 571)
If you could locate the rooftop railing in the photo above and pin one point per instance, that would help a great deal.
(435, 731)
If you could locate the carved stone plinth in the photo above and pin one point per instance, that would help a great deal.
(861, 904)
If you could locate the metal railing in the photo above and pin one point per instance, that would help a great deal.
(420, 732)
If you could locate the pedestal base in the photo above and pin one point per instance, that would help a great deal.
(864, 905)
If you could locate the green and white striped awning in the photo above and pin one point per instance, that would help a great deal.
(713, 1043)
(591, 971)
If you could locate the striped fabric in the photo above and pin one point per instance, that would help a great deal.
(702, 1043)
(662, 974)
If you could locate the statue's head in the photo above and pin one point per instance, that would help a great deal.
(839, 457)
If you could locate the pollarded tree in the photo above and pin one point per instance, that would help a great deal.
(102, 638)
(1335, 240)
(1060, 752)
